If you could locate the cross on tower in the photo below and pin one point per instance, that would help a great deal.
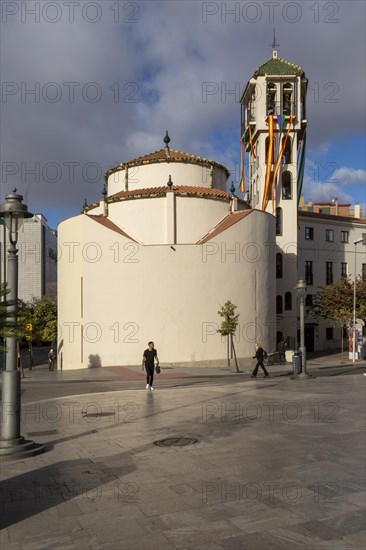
(274, 45)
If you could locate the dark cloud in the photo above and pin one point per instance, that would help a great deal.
(150, 63)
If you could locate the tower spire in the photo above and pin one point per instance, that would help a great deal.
(274, 45)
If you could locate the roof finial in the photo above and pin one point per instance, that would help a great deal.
(85, 205)
(104, 191)
(167, 139)
(274, 45)
(169, 183)
(232, 188)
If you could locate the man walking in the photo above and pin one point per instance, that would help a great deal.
(148, 361)
(51, 359)
(259, 355)
(282, 351)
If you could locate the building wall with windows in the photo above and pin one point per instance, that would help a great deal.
(37, 256)
(326, 253)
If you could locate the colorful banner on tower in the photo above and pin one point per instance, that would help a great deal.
(301, 166)
(279, 160)
(269, 163)
(242, 157)
(251, 142)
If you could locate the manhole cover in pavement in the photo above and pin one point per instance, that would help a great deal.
(98, 415)
(176, 442)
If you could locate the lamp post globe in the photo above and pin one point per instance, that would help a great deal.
(12, 444)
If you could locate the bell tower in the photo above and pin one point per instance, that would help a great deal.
(273, 129)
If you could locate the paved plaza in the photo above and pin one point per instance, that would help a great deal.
(268, 464)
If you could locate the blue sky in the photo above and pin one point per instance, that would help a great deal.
(141, 69)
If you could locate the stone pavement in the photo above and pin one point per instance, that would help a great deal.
(278, 464)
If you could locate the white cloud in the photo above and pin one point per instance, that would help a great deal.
(323, 191)
(347, 176)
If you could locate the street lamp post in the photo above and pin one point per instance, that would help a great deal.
(354, 304)
(12, 444)
(301, 289)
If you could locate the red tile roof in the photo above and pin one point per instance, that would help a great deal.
(227, 222)
(166, 155)
(109, 225)
(180, 190)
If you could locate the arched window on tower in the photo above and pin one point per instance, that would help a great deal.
(286, 186)
(279, 271)
(271, 98)
(273, 149)
(287, 99)
(278, 220)
(287, 154)
(288, 301)
(279, 304)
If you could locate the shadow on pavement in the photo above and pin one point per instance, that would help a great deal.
(29, 494)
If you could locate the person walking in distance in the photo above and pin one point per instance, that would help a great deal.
(148, 361)
(51, 359)
(259, 355)
(282, 351)
(19, 361)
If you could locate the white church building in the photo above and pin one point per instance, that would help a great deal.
(167, 245)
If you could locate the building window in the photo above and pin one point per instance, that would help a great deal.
(309, 272)
(279, 306)
(278, 221)
(288, 301)
(329, 333)
(279, 269)
(344, 269)
(287, 99)
(271, 98)
(364, 272)
(329, 235)
(309, 300)
(286, 186)
(329, 273)
(309, 233)
(287, 154)
(344, 236)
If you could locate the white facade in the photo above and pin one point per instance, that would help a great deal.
(37, 257)
(158, 265)
(155, 173)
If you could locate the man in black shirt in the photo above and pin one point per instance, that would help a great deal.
(259, 355)
(150, 355)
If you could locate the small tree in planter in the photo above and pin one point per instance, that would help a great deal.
(228, 328)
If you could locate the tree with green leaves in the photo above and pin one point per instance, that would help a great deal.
(5, 325)
(42, 314)
(9, 328)
(335, 303)
(228, 327)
